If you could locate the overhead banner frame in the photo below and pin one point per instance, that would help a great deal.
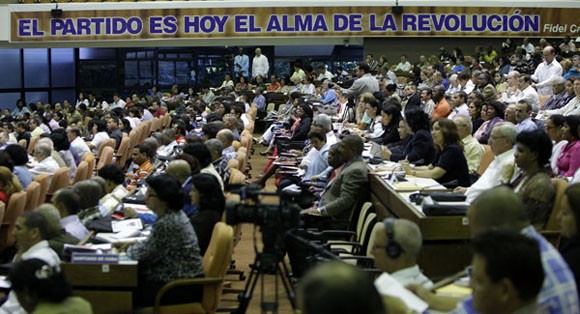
(272, 22)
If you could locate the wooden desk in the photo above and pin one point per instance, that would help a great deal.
(108, 287)
(445, 250)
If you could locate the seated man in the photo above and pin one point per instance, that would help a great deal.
(227, 138)
(397, 247)
(142, 155)
(338, 288)
(89, 192)
(501, 169)
(558, 293)
(347, 186)
(46, 164)
(31, 234)
(78, 147)
(67, 203)
(57, 235)
(472, 149)
(219, 160)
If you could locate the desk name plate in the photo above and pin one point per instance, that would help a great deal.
(94, 258)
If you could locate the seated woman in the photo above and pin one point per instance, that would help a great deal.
(41, 288)
(532, 183)
(553, 127)
(19, 157)
(405, 135)
(298, 131)
(62, 146)
(99, 131)
(569, 159)
(210, 201)
(449, 166)
(375, 128)
(492, 112)
(171, 251)
(9, 184)
(390, 117)
(569, 220)
(475, 114)
(420, 149)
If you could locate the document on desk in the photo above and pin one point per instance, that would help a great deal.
(416, 184)
(387, 285)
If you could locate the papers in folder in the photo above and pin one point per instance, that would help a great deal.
(416, 184)
(387, 285)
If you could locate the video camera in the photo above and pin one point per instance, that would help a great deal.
(274, 220)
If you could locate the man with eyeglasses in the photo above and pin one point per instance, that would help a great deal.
(501, 169)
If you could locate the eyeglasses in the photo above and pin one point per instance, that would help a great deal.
(496, 137)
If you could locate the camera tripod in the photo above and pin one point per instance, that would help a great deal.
(271, 264)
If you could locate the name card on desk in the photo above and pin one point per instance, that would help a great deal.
(93, 258)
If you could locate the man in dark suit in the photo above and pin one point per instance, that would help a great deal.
(345, 188)
(412, 99)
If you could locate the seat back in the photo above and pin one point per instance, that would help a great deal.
(89, 157)
(14, 209)
(32, 144)
(32, 196)
(216, 261)
(369, 224)
(236, 145)
(106, 157)
(43, 180)
(234, 164)
(110, 142)
(123, 151)
(82, 172)
(362, 216)
(236, 177)
(560, 187)
(486, 159)
(241, 158)
(60, 179)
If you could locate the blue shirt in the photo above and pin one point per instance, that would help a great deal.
(328, 97)
(319, 163)
(260, 102)
(241, 65)
(526, 125)
(558, 294)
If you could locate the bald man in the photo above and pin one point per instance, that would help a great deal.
(57, 236)
(501, 208)
(546, 72)
(226, 136)
(396, 249)
(182, 171)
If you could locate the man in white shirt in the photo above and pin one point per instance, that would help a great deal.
(512, 91)
(67, 202)
(241, 64)
(324, 74)
(526, 45)
(46, 164)
(547, 71)
(396, 249)
(78, 147)
(260, 65)
(501, 169)
(30, 232)
(459, 105)
(528, 93)
(117, 102)
(404, 65)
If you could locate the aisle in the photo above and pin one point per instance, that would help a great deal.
(244, 253)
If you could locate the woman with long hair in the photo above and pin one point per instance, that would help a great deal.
(207, 196)
(9, 184)
(449, 166)
(569, 221)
